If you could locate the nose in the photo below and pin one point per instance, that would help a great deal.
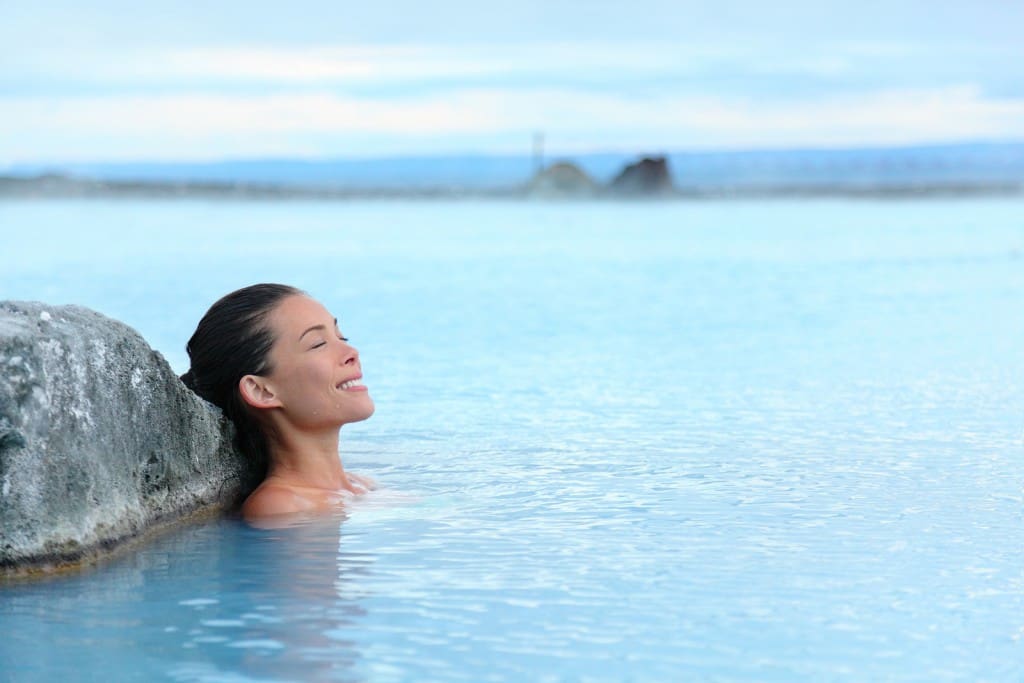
(350, 355)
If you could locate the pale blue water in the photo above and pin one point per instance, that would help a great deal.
(649, 442)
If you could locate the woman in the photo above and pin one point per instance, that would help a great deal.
(274, 360)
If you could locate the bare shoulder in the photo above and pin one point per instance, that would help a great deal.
(274, 499)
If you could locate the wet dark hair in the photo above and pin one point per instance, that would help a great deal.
(231, 341)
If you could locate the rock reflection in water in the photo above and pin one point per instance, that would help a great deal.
(200, 603)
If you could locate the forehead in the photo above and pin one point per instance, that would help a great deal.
(296, 314)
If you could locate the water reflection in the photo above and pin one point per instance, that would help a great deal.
(204, 602)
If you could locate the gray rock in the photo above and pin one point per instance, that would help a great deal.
(99, 440)
(562, 180)
(646, 178)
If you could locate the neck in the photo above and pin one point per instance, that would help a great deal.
(308, 460)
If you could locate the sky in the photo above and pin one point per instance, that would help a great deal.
(170, 81)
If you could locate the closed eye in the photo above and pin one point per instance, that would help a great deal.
(324, 343)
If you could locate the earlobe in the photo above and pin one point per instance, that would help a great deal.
(257, 393)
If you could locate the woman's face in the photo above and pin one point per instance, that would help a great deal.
(316, 374)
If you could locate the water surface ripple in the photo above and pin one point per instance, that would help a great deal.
(669, 441)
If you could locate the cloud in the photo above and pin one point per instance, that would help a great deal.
(194, 126)
(416, 64)
(406, 62)
(331, 65)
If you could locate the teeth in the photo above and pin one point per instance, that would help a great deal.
(351, 383)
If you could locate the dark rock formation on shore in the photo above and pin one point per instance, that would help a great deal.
(648, 177)
(562, 180)
(99, 440)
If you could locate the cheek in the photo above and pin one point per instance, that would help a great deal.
(314, 379)
(299, 382)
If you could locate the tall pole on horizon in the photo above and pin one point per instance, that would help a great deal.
(538, 151)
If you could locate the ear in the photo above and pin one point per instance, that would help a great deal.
(257, 392)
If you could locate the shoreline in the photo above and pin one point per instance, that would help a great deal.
(65, 187)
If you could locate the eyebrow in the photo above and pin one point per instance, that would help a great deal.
(316, 327)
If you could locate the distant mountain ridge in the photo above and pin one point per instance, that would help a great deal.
(977, 163)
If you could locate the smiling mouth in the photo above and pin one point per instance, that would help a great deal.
(357, 382)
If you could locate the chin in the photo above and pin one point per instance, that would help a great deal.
(365, 414)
